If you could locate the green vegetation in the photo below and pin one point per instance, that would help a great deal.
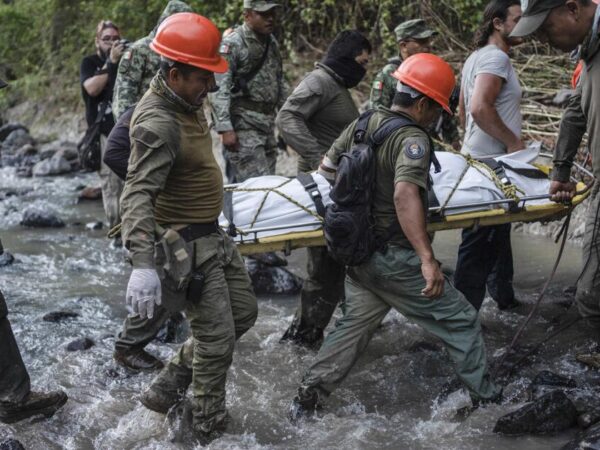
(43, 41)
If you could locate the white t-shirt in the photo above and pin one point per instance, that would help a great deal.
(490, 59)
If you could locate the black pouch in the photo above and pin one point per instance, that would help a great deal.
(196, 286)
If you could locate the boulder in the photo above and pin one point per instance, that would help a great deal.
(94, 225)
(41, 217)
(546, 381)
(6, 259)
(8, 128)
(59, 316)
(80, 344)
(15, 140)
(589, 439)
(551, 413)
(272, 280)
(67, 149)
(57, 165)
(90, 193)
(11, 444)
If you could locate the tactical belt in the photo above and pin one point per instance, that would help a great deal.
(261, 107)
(310, 186)
(195, 231)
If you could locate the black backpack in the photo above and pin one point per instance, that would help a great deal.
(349, 225)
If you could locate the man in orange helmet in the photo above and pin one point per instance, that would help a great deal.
(404, 273)
(174, 186)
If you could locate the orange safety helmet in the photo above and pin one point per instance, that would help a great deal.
(430, 75)
(190, 39)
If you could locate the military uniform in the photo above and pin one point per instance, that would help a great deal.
(250, 111)
(383, 88)
(392, 278)
(583, 114)
(139, 64)
(175, 181)
(313, 116)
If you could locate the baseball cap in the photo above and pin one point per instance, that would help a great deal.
(534, 15)
(260, 5)
(415, 29)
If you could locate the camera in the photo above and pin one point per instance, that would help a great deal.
(124, 42)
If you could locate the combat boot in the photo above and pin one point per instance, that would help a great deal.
(137, 359)
(304, 405)
(35, 404)
(158, 400)
(207, 430)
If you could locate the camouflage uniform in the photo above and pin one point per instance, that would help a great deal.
(383, 88)
(250, 112)
(173, 178)
(139, 64)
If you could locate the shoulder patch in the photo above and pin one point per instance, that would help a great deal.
(378, 85)
(414, 150)
(225, 49)
(127, 55)
(147, 137)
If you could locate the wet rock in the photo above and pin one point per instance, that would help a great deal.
(8, 128)
(588, 419)
(590, 439)
(551, 413)
(41, 217)
(424, 346)
(17, 139)
(6, 259)
(272, 280)
(11, 444)
(546, 379)
(570, 290)
(59, 316)
(174, 331)
(94, 225)
(80, 344)
(90, 193)
(57, 165)
(25, 171)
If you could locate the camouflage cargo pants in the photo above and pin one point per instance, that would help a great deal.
(112, 187)
(588, 288)
(14, 379)
(224, 311)
(256, 156)
(393, 280)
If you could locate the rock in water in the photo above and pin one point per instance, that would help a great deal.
(38, 217)
(57, 165)
(546, 381)
(5, 130)
(79, 344)
(272, 280)
(59, 316)
(590, 439)
(6, 259)
(11, 444)
(551, 413)
(90, 193)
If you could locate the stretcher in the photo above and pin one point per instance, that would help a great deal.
(299, 226)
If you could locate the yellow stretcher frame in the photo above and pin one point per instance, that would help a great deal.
(529, 213)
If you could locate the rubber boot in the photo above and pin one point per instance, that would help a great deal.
(34, 404)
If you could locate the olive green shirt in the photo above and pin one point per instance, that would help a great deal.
(315, 114)
(582, 114)
(172, 176)
(403, 157)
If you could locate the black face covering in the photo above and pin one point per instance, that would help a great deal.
(346, 68)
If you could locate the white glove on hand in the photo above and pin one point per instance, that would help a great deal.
(143, 291)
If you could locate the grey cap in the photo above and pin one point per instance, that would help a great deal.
(534, 15)
(3, 84)
(415, 29)
(260, 5)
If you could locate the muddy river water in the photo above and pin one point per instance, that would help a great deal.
(390, 400)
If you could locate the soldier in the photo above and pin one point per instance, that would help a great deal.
(174, 181)
(565, 25)
(405, 274)
(313, 116)
(250, 93)
(413, 36)
(139, 64)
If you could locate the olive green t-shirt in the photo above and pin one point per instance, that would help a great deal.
(403, 157)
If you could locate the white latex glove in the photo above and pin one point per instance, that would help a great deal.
(143, 291)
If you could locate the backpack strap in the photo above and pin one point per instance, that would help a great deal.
(310, 186)
(360, 132)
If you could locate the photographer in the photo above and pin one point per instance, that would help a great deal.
(97, 76)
